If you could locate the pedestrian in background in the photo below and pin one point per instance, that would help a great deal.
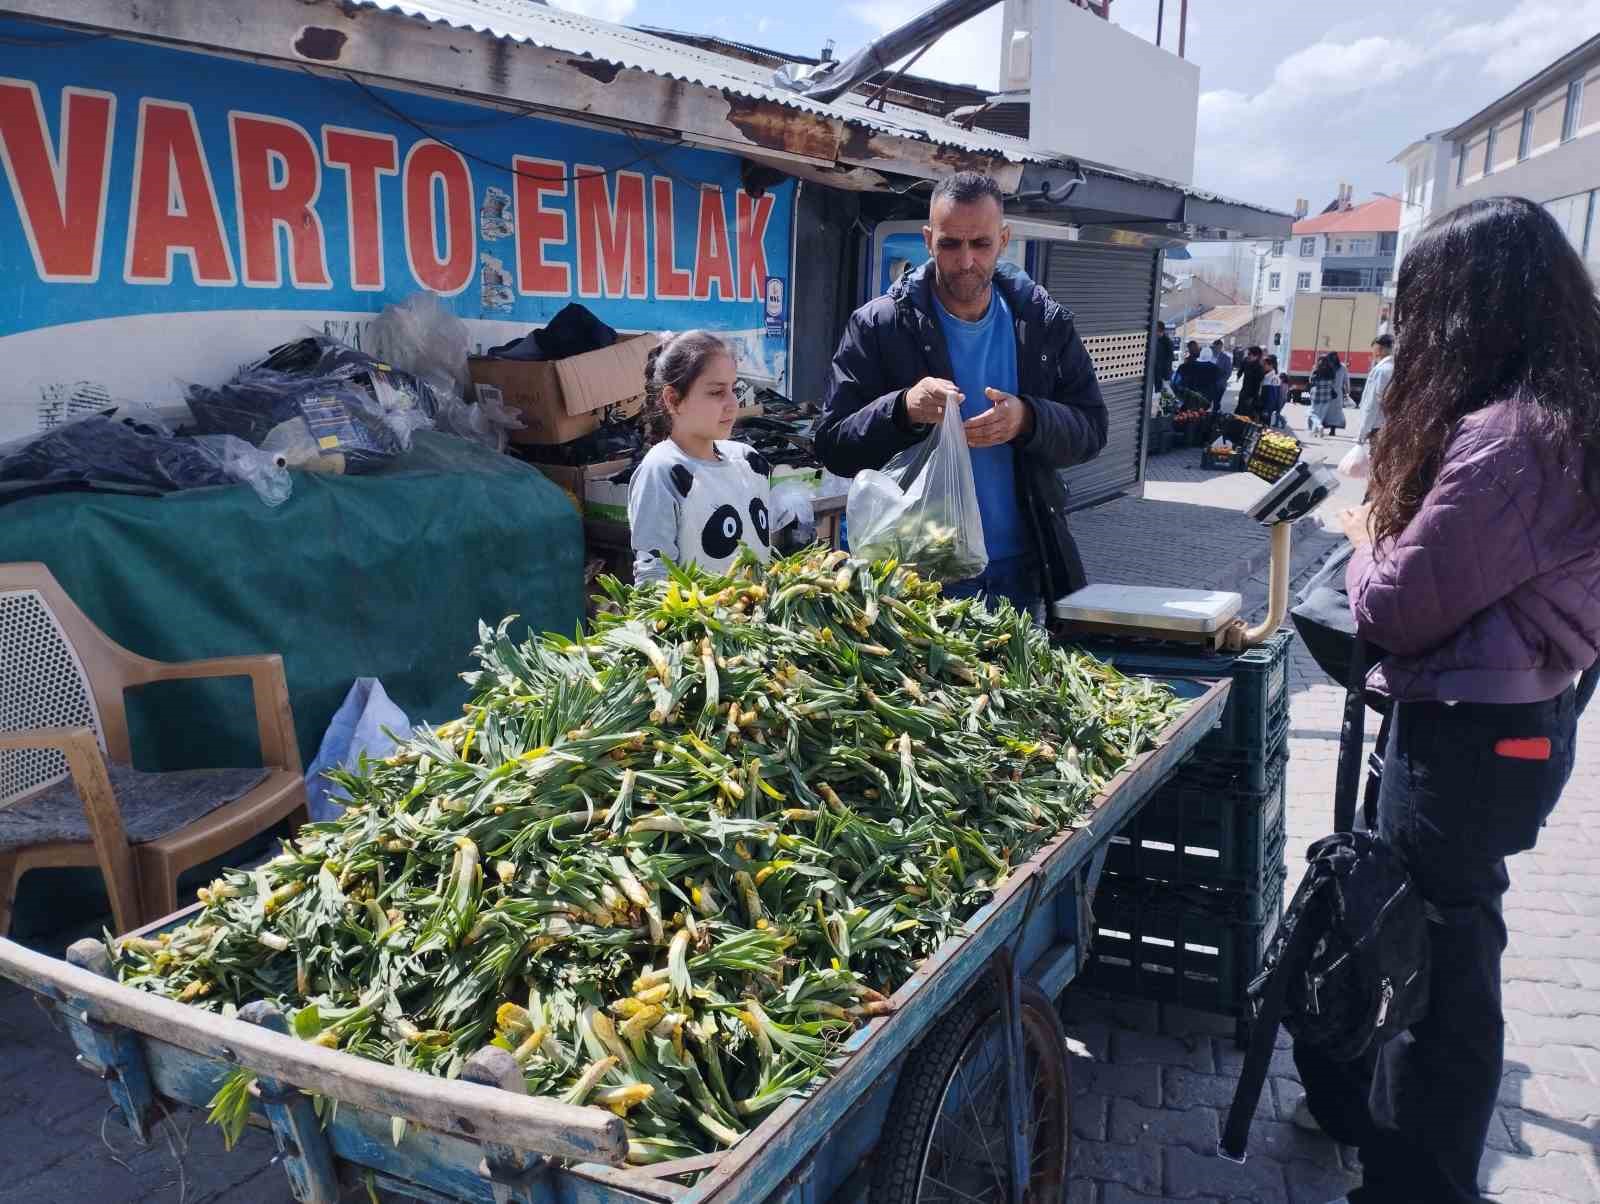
(1377, 385)
(1477, 569)
(1251, 375)
(1327, 402)
(1165, 351)
(1224, 363)
(1196, 374)
(1272, 394)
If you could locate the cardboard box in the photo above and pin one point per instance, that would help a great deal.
(591, 493)
(562, 400)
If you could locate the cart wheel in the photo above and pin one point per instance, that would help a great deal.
(944, 1136)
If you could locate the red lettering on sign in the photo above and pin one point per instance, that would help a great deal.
(364, 158)
(611, 234)
(445, 272)
(538, 227)
(754, 215)
(713, 258)
(174, 210)
(61, 198)
(277, 178)
(672, 282)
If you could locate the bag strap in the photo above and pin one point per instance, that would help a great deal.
(1586, 687)
(1352, 735)
(1264, 1032)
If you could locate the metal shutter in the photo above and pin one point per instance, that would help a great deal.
(1111, 292)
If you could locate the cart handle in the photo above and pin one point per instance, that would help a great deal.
(480, 1113)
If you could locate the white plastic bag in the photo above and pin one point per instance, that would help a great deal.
(360, 725)
(922, 509)
(422, 337)
(1356, 463)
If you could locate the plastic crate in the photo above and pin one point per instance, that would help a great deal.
(1201, 829)
(1182, 945)
(1246, 766)
(1257, 715)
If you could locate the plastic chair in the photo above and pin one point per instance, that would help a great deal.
(68, 793)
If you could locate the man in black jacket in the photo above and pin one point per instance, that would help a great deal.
(977, 331)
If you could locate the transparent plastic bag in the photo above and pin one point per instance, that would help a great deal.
(922, 509)
(791, 503)
(422, 337)
(1356, 463)
(264, 471)
(489, 422)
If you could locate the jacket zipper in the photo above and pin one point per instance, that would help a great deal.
(1385, 997)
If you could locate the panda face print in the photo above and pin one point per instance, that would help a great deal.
(758, 521)
(723, 530)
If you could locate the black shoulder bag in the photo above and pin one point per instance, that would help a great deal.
(1348, 965)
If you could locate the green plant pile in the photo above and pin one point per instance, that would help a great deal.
(672, 865)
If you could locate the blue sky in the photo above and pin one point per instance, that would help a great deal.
(1295, 97)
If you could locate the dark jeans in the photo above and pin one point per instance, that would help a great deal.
(1013, 577)
(1455, 807)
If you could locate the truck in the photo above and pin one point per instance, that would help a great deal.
(1342, 322)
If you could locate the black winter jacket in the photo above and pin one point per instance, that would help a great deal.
(894, 341)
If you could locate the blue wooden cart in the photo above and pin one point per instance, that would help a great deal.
(960, 1095)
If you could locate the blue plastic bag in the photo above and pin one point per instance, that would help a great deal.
(362, 724)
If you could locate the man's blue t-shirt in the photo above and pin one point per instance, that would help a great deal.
(983, 354)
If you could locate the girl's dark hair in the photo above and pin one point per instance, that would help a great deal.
(676, 363)
(1326, 369)
(1273, 360)
(1492, 304)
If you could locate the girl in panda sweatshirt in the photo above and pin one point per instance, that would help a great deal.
(697, 497)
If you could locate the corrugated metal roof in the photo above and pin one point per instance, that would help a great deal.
(572, 33)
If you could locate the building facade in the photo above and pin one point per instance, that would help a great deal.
(1537, 141)
(1346, 249)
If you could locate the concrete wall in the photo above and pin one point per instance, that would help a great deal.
(1100, 93)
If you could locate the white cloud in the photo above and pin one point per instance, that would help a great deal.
(616, 11)
(968, 54)
(1527, 39)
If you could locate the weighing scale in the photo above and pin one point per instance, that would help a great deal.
(1207, 618)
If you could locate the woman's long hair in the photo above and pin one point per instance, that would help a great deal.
(1493, 304)
(1324, 369)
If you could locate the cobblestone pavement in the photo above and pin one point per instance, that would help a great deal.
(1150, 1082)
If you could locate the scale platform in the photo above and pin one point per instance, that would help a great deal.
(1194, 616)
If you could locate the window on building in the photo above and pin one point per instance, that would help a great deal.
(1387, 242)
(1572, 215)
(1547, 119)
(1308, 247)
(1525, 137)
(1590, 120)
(1277, 248)
(1488, 151)
(1574, 114)
(1303, 281)
(1358, 246)
(1336, 246)
(1274, 282)
(1413, 185)
(1473, 159)
(1504, 147)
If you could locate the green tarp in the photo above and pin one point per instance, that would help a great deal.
(385, 575)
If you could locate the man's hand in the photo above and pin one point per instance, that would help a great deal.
(1005, 419)
(925, 400)
(1357, 524)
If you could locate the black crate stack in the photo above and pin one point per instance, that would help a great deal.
(1193, 883)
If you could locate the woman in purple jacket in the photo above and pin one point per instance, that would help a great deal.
(1477, 570)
